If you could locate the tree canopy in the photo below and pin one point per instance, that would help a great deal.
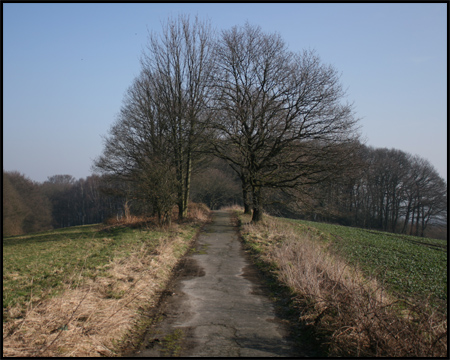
(279, 115)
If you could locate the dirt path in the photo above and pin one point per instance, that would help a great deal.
(216, 306)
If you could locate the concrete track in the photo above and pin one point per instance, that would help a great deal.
(217, 307)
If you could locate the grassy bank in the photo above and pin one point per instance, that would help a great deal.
(353, 289)
(412, 267)
(78, 291)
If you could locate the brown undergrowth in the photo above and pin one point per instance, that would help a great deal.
(90, 319)
(354, 315)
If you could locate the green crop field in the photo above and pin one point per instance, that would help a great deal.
(41, 264)
(412, 267)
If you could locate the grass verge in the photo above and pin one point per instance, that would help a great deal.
(79, 291)
(348, 311)
(412, 267)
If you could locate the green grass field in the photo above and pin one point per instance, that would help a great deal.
(410, 266)
(42, 264)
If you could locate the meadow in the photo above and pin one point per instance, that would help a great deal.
(84, 290)
(38, 265)
(80, 291)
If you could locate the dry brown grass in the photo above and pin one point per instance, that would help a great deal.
(356, 315)
(233, 208)
(198, 212)
(130, 220)
(90, 319)
(86, 320)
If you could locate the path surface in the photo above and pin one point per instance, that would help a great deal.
(216, 306)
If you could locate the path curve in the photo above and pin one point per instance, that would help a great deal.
(216, 306)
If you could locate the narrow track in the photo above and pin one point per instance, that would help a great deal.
(216, 306)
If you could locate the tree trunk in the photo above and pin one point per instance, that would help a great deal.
(412, 219)
(247, 208)
(417, 220)
(126, 210)
(245, 192)
(405, 224)
(180, 179)
(186, 190)
(257, 205)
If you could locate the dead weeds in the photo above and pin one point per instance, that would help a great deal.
(89, 320)
(354, 314)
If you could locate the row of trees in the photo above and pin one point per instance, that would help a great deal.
(63, 201)
(80, 202)
(390, 190)
(60, 201)
(276, 117)
(25, 207)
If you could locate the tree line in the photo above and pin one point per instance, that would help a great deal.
(61, 201)
(390, 190)
(272, 123)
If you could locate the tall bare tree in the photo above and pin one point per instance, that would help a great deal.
(180, 61)
(278, 115)
(137, 154)
(160, 132)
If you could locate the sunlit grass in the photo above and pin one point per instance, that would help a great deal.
(80, 291)
(348, 286)
(41, 263)
(410, 266)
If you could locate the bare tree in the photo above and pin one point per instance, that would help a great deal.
(180, 64)
(57, 188)
(278, 115)
(160, 132)
(427, 200)
(335, 198)
(215, 188)
(14, 210)
(138, 150)
(387, 189)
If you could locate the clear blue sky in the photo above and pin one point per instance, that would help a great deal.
(66, 68)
